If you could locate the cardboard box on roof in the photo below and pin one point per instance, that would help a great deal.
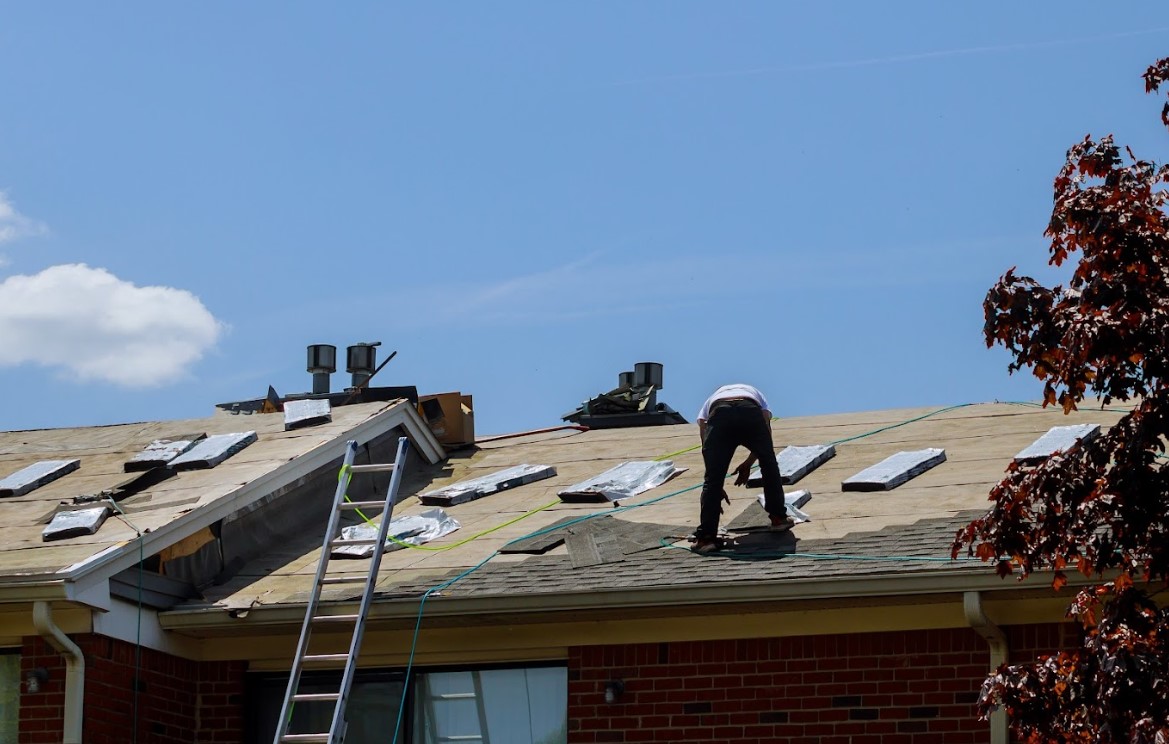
(454, 420)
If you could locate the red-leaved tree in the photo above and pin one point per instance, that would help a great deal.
(1101, 508)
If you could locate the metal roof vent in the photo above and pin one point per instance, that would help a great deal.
(322, 362)
(362, 361)
(646, 374)
(634, 402)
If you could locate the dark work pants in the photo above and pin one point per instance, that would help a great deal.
(734, 424)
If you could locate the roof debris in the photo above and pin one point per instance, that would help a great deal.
(411, 530)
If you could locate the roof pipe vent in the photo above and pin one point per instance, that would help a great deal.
(646, 374)
(624, 379)
(322, 362)
(362, 361)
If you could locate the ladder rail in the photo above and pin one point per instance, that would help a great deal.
(370, 582)
(314, 596)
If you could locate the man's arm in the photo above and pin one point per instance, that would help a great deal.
(743, 472)
(702, 430)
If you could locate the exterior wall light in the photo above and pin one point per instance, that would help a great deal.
(35, 678)
(613, 691)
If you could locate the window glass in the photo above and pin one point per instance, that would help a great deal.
(9, 696)
(372, 709)
(492, 705)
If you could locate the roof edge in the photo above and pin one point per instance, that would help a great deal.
(975, 578)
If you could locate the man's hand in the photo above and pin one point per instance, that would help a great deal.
(726, 499)
(743, 472)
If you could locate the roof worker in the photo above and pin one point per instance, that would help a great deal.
(736, 415)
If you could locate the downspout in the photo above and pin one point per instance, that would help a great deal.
(997, 640)
(42, 619)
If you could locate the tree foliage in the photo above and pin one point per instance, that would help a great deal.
(1101, 508)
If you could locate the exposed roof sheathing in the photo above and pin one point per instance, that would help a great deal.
(904, 531)
(169, 510)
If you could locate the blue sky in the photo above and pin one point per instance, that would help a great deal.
(524, 199)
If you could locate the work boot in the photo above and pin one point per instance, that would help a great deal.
(707, 545)
(781, 523)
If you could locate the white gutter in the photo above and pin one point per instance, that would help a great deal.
(997, 640)
(42, 619)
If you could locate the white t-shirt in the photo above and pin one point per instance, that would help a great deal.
(737, 390)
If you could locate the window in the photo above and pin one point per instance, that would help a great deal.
(372, 710)
(493, 706)
(9, 695)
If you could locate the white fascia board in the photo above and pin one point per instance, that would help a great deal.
(101, 567)
(133, 624)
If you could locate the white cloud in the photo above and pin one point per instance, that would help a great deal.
(96, 326)
(15, 225)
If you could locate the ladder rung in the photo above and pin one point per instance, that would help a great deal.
(464, 737)
(317, 697)
(378, 467)
(336, 618)
(339, 542)
(363, 505)
(345, 579)
(455, 696)
(308, 738)
(321, 658)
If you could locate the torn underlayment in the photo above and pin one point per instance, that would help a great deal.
(415, 529)
(485, 485)
(622, 482)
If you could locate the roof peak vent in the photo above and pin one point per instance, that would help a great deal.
(634, 402)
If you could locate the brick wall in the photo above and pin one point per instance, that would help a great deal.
(911, 687)
(179, 701)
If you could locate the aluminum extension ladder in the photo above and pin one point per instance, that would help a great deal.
(341, 503)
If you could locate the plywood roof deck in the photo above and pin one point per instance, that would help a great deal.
(979, 440)
(102, 451)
